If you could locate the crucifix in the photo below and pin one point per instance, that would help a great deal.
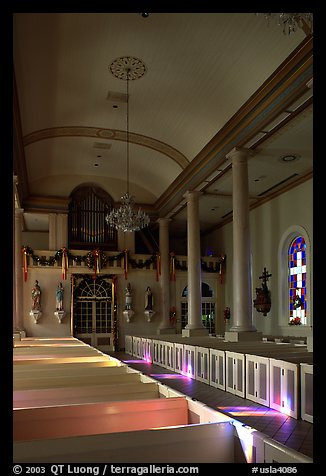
(263, 302)
(265, 277)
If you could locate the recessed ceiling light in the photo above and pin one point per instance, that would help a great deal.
(289, 158)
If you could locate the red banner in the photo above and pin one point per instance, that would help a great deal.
(64, 263)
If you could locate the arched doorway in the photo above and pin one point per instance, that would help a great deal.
(93, 311)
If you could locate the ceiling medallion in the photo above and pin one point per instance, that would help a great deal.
(127, 67)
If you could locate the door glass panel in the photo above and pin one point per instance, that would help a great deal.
(83, 317)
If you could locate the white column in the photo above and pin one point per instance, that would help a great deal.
(165, 325)
(53, 231)
(126, 241)
(242, 325)
(18, 277)
(195, 325)
(62, 231)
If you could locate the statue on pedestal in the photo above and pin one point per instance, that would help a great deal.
(36, 297)
(59, 297)
(149, 302)
(128, 312)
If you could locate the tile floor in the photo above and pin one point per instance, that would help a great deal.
(296, 434)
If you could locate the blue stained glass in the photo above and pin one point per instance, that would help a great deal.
(297, 280)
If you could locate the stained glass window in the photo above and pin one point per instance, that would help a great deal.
(297, 281)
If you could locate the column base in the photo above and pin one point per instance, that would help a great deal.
(242, 336)
(200, 331)
(166, 330)
(310, 343)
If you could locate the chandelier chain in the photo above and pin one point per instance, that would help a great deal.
(126, 218)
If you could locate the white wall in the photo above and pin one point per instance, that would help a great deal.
(268, 224)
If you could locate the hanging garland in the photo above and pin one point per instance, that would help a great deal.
(96, 260)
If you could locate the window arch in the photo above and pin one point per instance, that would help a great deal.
(295, 269)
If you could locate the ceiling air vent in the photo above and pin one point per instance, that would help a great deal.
(102, 145)
(116, 97)
(277, 185)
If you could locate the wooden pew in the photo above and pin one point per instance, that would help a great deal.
(76, 395)
(207, 443)
(109, 376)
(98, 418)
(50, 366)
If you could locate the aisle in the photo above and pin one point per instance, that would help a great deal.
(296, 434)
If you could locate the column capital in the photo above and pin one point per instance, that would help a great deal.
(163, 221)
(192, 194)
(239, 153)
(19, 212)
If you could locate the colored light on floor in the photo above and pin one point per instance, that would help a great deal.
(138, 361)
(247, 411)
(169, 376)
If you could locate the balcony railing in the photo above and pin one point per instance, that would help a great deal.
(111, 260)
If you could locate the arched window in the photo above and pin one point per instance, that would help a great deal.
(207, 307)
(87, 227)
(297, 274)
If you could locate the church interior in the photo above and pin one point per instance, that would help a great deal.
(163, 237)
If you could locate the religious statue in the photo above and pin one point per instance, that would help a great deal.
(36, 297)
(149, 300)
(263, 302)
(59, 297)
(128, 294)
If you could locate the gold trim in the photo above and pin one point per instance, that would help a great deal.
(110, 134)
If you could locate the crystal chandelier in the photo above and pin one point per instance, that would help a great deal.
(126, 218)
(291, 21)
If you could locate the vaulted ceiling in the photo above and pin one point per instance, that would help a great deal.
(212, 82)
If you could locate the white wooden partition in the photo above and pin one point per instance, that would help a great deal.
(178, 357)
(202, 364)
(169, 355)
(284, 387)
(128, 345)
(189, 361)
(257, 379)
(235, 373)
(158, 352)
(307, 392)
(147, 349)
(217, 369)
(137, 347)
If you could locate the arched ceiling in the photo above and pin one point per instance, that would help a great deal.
(213, 81)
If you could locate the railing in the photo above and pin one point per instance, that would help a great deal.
(111, 259)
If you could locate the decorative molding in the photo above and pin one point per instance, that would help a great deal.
(109, 134)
